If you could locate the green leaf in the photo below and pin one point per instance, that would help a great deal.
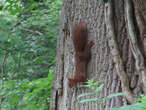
(89, 100)
(96, 83)
(85, 94)
(1, 7)
(99, 88)
(90, 81)
(137, 106)
(30, 19)
(3, 36)
(114, 95)
(38, 60)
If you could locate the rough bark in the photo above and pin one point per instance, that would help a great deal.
(117, 28)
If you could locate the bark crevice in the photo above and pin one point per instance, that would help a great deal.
(56, 100)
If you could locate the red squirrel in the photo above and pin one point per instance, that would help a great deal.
(82, 53)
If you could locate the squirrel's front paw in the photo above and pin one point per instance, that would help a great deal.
(90, 44)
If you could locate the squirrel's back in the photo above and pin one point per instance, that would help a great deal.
(80, 35)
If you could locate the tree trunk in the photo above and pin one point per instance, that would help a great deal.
(117, 28)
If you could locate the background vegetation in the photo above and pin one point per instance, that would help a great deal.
(28, 33)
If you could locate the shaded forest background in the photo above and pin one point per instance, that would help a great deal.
(28, 33)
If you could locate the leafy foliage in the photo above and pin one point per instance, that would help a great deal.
(140, 105)
(29, 38)
(96, 88)
(26, 95)
(28, 33)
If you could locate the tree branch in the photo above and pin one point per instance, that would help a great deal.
(31, 31)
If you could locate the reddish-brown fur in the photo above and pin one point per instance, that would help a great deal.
(82, 54)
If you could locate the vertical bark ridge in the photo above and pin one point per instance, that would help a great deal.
(141, 5)
(116, 55)
(139, 59)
